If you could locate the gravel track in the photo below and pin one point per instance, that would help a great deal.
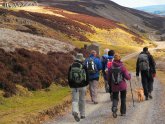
(146, 112)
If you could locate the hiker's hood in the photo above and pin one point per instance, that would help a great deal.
(91, 55)
(117, 63)
(110, 57)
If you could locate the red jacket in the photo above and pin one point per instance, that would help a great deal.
(126, 76)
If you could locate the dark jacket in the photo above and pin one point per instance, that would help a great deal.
(152, 64)
(121, 86)
(99, 67)
(82, 84)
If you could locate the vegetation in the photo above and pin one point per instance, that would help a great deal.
(17, 108)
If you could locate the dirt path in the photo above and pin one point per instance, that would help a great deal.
(147, 112)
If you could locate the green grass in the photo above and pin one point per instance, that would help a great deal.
(123, 50)
(14, 108)
(130, 64)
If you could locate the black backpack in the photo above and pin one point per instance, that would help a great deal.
(104, 63)
(117, 75)
(91, 66)
(77, 73)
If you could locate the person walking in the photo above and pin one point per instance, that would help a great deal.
(93, 65)
(104, 61)
(117, 75)
(146, 66)
(78, 80)
(109, 64)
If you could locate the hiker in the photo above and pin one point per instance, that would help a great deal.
(78, 80)
(93, 65)
(146, 66)
(116, 77)
(104, 61)
(109, 64)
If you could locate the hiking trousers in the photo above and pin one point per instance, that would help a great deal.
(147, 82)
(106, 85)
(78, 100)
(93, 86)
(116, 100)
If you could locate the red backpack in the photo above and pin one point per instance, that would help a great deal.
(109, 64)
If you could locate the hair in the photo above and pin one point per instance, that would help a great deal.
(111, 53)
(93, 51)
(145, 49)
(106, 51)
(117, 57)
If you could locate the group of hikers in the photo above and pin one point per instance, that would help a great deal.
(85, 72)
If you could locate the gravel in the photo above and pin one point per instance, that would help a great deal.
(146, 112)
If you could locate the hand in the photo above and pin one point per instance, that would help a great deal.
(153, 75)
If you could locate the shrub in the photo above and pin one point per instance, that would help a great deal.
(33, 70)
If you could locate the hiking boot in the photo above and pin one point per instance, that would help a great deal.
(123, 114)
(76, 117)
(82, 117)
(95, 102)
(150, 96)
(111, 97)
(114, 110)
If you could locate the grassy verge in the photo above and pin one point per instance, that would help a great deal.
(130, 64)
(17, 107)
(160, 75)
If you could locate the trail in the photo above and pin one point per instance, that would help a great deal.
(146, 112)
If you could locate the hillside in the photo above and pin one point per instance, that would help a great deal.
(69, 27)
(37, 45)
(136, 20)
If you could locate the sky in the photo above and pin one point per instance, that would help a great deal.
(139, 3)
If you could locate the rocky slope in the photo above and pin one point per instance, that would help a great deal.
(10, 40)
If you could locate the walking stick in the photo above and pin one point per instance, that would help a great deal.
(132, 94)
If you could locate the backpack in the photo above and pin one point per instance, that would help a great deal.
(109, 63)
(143, 62)
(104, 63)
(77, 73)
(117, 75)
(91, 66)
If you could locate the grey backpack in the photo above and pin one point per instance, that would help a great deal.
(77, 73)
(143, 62)
(117, 75)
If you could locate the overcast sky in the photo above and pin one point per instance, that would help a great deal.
(139, 3)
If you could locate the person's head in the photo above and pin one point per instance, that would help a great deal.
(106, 51)
(93, 52)
(79, 57)
(145, 49)
(111, 53)
(117, 57)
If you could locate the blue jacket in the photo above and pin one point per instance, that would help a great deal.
(99, 67)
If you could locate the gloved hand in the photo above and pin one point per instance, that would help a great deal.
(153, 75)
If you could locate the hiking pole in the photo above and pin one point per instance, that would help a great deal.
(132, 93)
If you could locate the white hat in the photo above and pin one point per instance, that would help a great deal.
(79, 57)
